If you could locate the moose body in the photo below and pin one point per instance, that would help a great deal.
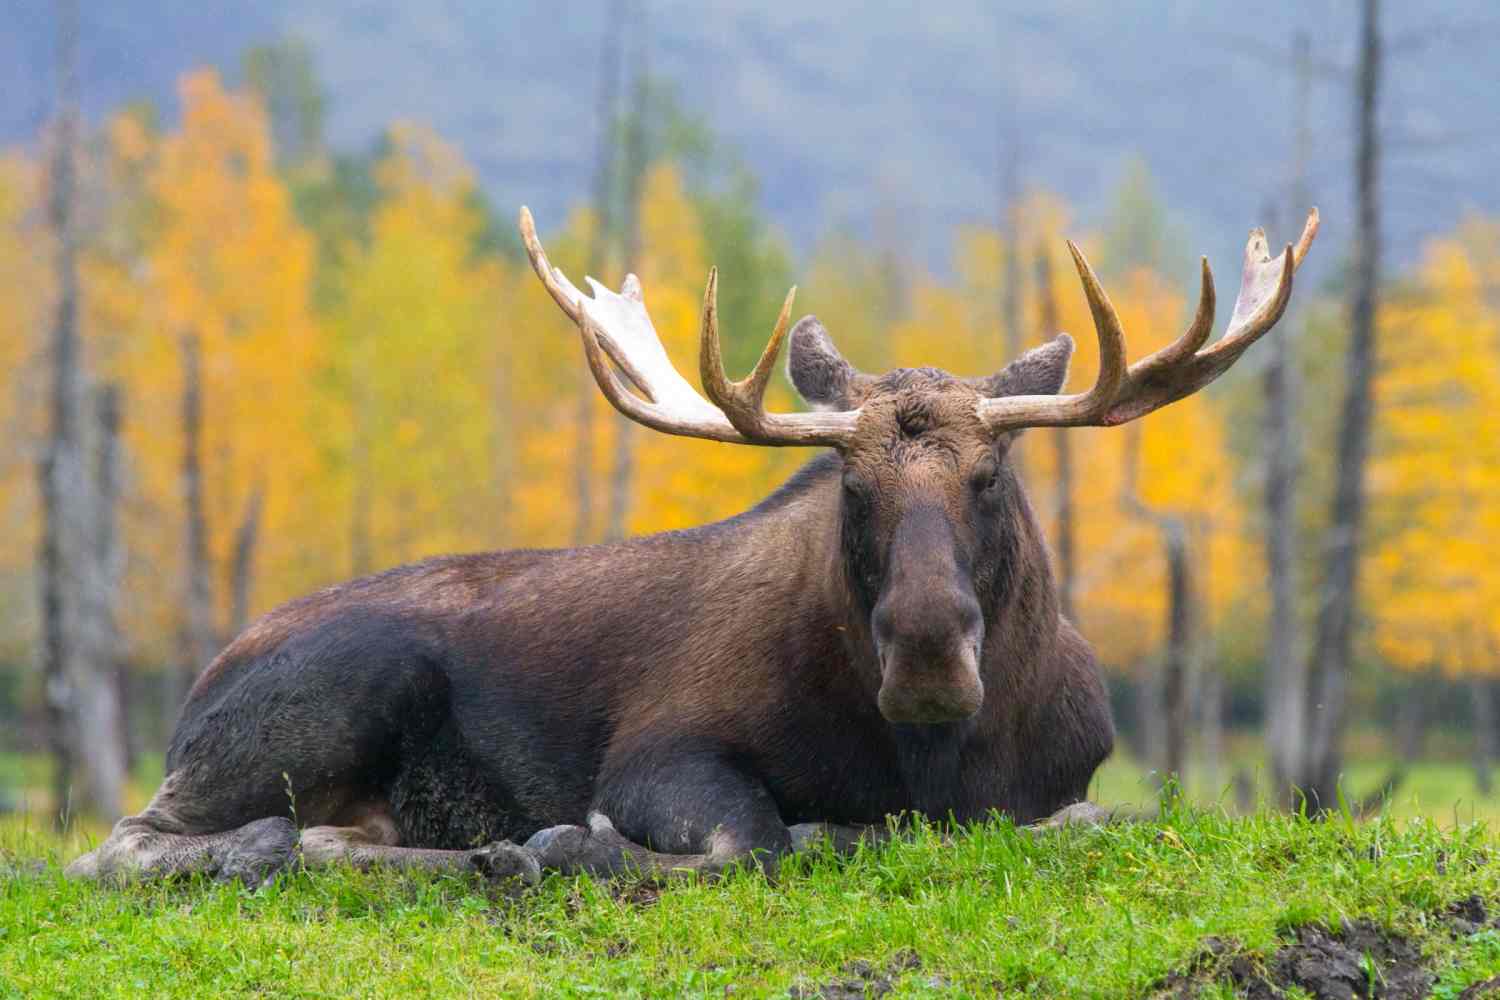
(880, 636)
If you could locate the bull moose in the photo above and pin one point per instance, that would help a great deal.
(879, 636)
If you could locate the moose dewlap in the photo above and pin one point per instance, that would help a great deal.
(879, 636)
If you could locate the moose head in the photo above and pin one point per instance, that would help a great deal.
(931, 511)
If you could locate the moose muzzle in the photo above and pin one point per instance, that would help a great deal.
(928, 627)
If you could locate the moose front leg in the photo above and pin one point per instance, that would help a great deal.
(841, 837)
(374, 843)
(600, 849)
(1079, 814)
(661, 813)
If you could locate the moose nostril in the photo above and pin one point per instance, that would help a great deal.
(883, 625)
(970, 619)
(928, 627)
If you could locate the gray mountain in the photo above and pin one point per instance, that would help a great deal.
(851, 110)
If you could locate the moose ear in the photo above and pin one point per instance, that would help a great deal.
(816, 367)
(1041, 371)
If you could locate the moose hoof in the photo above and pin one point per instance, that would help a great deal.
(597, 849)
(258, 851)
(504, 860)
(842, 839)
(558, 848)
(1082, 814)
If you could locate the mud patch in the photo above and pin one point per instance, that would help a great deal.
(1466, 916)
(1490, 989)
(1358, 960)
(862, 979)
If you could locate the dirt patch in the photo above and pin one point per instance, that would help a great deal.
(862, 979)
(1489, 989)
(1357, 960)
(1466, 916)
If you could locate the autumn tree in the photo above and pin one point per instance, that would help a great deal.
(416, 339)
(223, 369)
(1161, 542)
(25, 294)
(1430, 578)
(1333, 643)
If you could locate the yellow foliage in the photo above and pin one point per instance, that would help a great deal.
(26, 301)
(681, 482)
(231, 267)
(1431, 578)
(1183, 470)
(417, 342)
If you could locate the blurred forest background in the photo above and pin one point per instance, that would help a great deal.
(247, 350)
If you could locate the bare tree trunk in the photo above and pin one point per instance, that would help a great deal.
(503, 446)
(362, 500)
(1010, 229)
(1333, 647)
(1287, 732)
(1204, 667)
(64, 486)
(1176, 661)
(1411, 720)
(1062, 446)
(622, 475)
(1179, 642)
(130, 725)
(1067, 562)
(1211, 698)
(1482, 693)
(604, 175)
(197, 646)
(503, 450)
(1151, 714)
(101, 736)
(1011, 240)
(242, 563)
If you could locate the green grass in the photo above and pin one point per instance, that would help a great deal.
(1442, 788)
(1082, 913)
(1077, 913)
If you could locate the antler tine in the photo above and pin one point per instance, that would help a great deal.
(1305, 241)
(616, 326)
(1254, 315)
(1193, 337)
(1007, 413)
(628, 403)
(1111, 344)
(552, 278)
(1177, 370)
(743, 402)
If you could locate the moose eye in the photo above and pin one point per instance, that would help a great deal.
(986, 476)
(855, 487)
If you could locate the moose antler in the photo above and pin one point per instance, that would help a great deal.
(1121, 394)
(618, 326)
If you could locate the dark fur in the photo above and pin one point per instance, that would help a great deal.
(723, 678)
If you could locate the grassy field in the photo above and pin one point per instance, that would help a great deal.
(1218, 901)
(1196, 903)
(1441, 789)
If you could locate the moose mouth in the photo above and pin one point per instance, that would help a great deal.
(930, 690)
